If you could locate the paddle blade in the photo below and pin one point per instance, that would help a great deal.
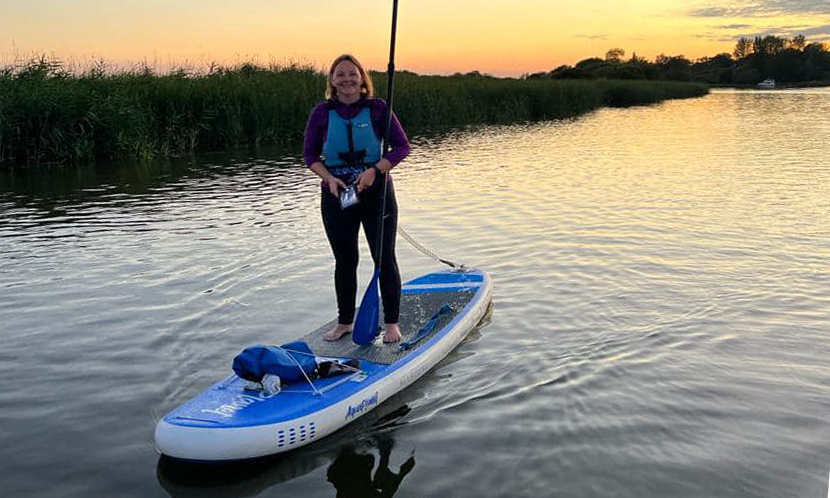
(366, 323)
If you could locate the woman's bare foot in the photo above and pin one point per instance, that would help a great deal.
(337, 332)
(393, 333)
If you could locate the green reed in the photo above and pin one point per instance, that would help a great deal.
(425, 101)
(51, 116)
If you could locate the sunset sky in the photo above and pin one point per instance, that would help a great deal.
(505, 38)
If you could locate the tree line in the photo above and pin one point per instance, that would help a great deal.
(789, 61)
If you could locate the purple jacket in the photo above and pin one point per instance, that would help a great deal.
(317, 128)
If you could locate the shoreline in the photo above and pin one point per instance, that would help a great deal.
(50, 117)
(778, 86)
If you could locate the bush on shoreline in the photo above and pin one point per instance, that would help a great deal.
(795, 62)
(51, 116)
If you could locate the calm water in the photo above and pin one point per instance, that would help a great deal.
(660, 322)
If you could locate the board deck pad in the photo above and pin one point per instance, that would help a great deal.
(416, 310)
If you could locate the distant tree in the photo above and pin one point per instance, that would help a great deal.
(719, 61)
(816, 61)
(745, 74)
(742, 49)
(614, 55)
(768, 45)
(722, 64)
(591, 64)
(608, 71)
(816, 49)
(798, 42)
(561, 69)
(569, 73)
(789, 60)
(593, 67)
(723, 60)
(648, 70)
(789, 66)
(675, 67)
(629, 71)
(717, 69)
(651, 71)
(765, 49)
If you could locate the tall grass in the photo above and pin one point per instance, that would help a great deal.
(48, 115)
(51, 116)
(424, 101)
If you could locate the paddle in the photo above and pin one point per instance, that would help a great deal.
(367, 320)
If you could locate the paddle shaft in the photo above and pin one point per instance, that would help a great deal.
(390, 95)
(366, 324)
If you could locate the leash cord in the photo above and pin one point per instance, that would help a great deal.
(423, 250)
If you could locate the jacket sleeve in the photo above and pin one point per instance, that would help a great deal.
(315, 134)
(398, 142)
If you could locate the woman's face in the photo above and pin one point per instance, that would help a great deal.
(346, 80)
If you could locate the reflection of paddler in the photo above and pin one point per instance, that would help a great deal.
(351, 473)
(385, 480)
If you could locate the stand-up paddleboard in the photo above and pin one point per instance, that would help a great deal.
(230, 422)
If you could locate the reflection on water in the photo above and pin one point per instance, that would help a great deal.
(351, 473)
(347, 458)
(661, 301)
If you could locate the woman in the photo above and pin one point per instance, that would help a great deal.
(343, 147)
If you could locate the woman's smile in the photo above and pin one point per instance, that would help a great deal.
(347, 81)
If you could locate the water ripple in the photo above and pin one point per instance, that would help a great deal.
(658, 327)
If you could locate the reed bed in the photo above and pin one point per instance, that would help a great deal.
(51, 116)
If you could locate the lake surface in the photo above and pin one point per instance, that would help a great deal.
(660, 324)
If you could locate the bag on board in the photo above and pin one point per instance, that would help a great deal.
(285, 361)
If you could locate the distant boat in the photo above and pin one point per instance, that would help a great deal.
(767, 83)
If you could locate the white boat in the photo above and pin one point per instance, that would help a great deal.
(767, 83)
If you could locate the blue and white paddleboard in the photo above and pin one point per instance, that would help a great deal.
(230, 422)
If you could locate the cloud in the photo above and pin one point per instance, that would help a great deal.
(763, 8)
(603, 36)
(759, 14)
(714, 12)
(818, 33)
(812, 34)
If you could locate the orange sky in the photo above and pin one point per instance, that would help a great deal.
(434, 36)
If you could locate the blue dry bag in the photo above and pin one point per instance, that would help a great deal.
(285, 361)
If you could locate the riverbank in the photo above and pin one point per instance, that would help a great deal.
(49, 116)
(778, 85)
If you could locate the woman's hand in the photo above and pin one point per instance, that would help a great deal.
(335, 185)
(368, 177)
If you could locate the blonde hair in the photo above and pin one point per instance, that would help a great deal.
(366, 87)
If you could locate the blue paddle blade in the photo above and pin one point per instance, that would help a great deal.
(366, 323)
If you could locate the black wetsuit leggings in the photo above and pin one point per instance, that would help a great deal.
(342, 228)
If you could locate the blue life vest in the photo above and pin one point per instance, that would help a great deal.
(351, 145)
